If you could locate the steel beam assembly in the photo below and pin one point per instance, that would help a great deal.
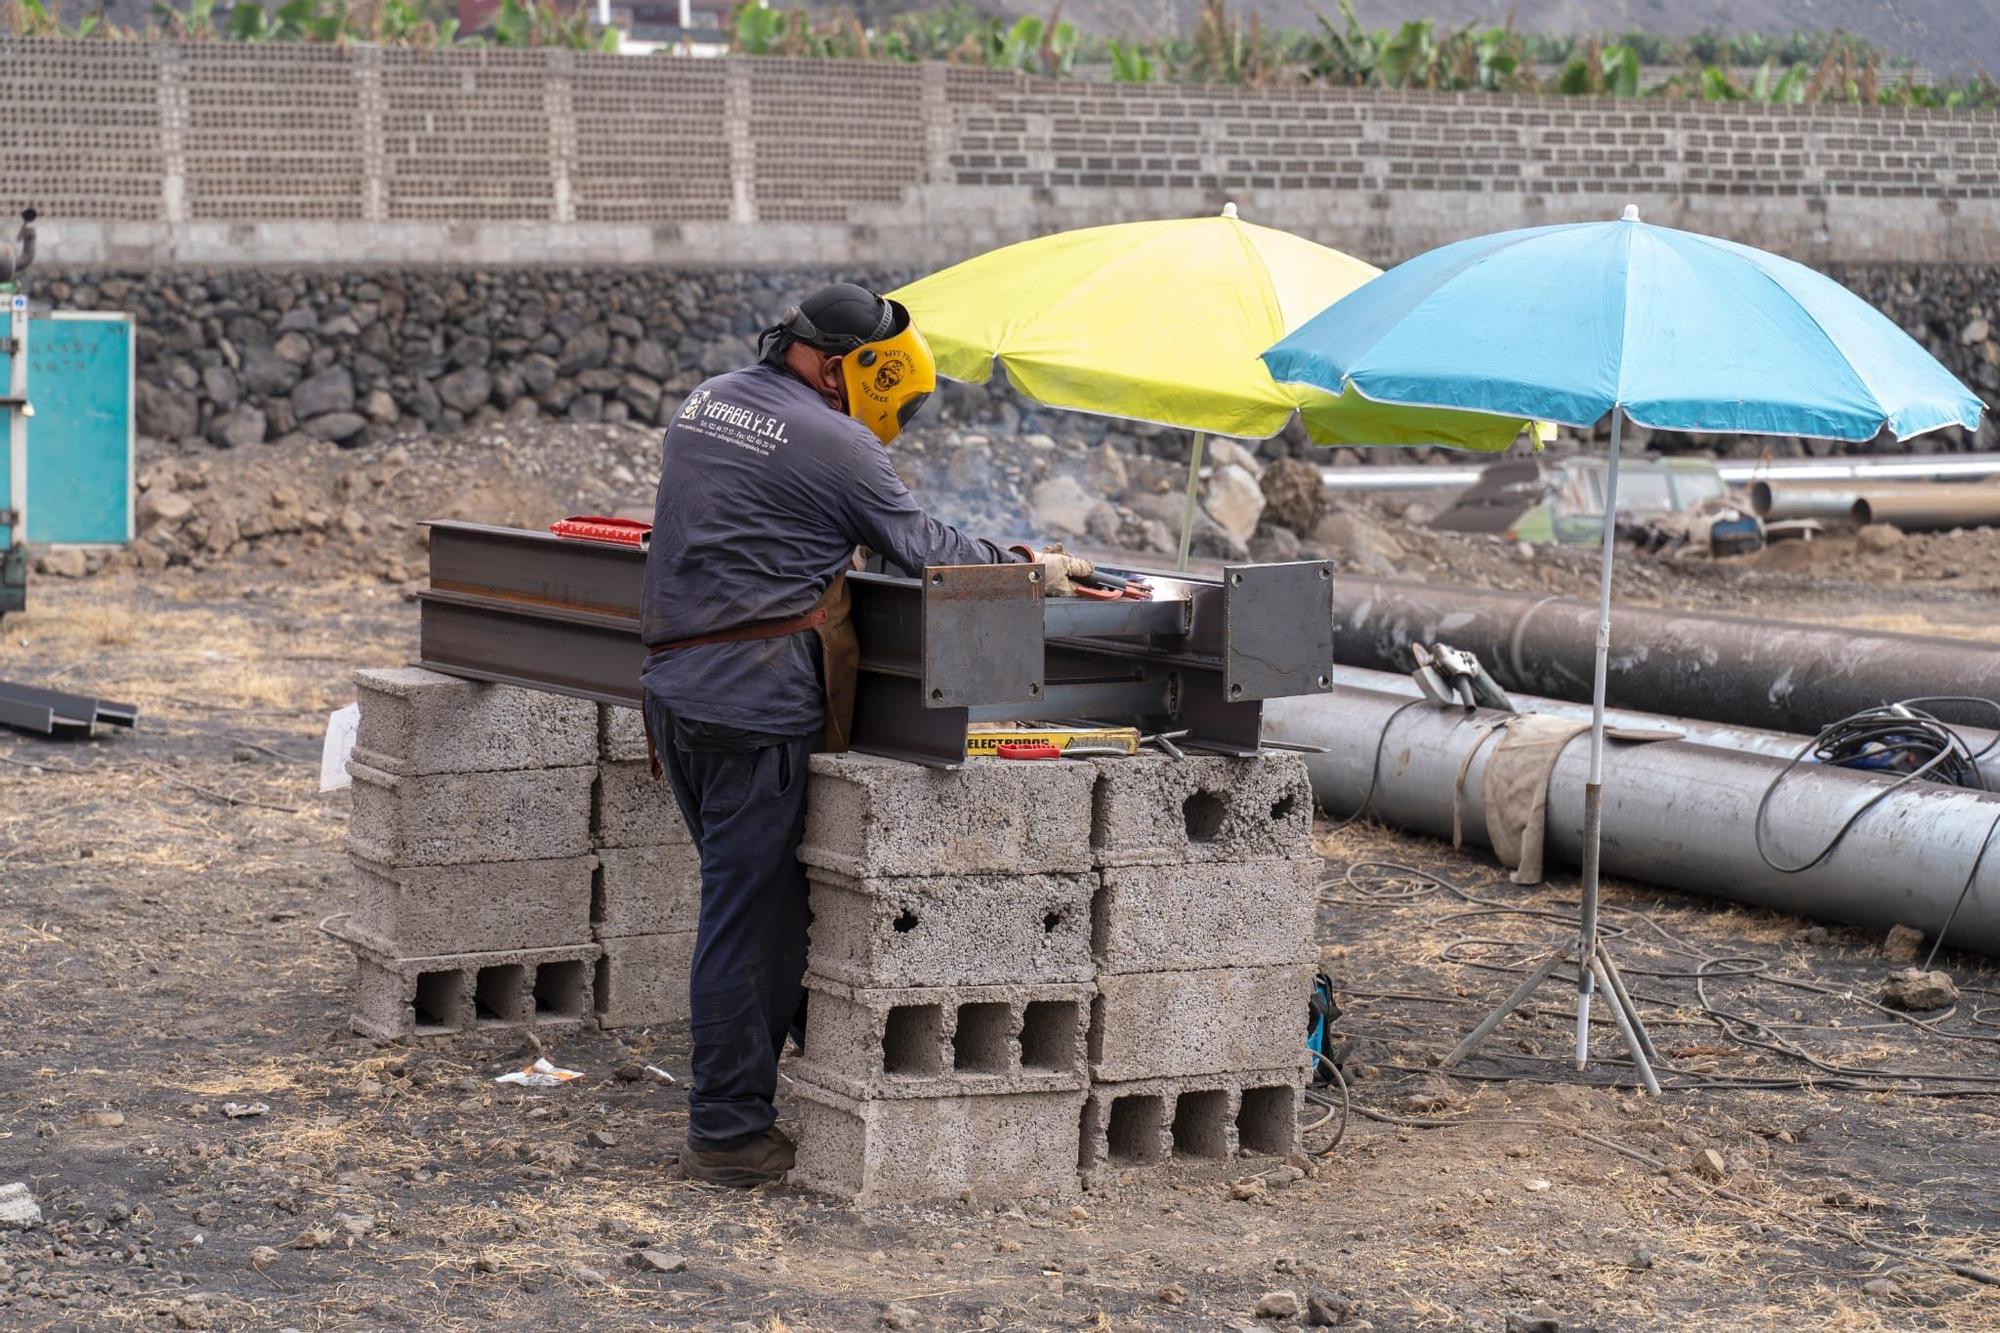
(1749, 673)
(1675, 814)
(54, 713)
(961, 644)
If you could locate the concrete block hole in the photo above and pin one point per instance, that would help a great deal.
(1201, 1124)
(1285, 808)
(440, 1002)
(1134, 1131)
(1048, 1035)
(905, 922)
(1204, 813)
(496, 994)
(560, 989)
(913, 1040)
(1267, 1120)
(980, 1042)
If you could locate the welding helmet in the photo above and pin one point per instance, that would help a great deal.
(885, 363)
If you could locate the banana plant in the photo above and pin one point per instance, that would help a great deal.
(1129, 62)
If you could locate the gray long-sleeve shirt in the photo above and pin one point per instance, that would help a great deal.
(765, 491)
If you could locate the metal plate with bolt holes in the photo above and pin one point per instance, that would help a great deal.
(982, 635)
(1279, 621)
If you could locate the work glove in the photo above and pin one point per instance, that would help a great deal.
(1060, 570)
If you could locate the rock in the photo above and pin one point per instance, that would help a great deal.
(165, 414)
(218, 384)
(467, 389)
(157, 506)
(1531, 1323)
(601, 1138)
(241, 426)
(1876, 538)
(1279, 1304)
(1245, 1190)
(332, 390)
(1324, 1309)
(1228, 453)
(660, 1261)
(104, 1119)
(380, 407)
(1274, 544)
(472, 351)
(335, 426)
(1881, 1288)
(651, 358)
(300, 319)
(1234, 501)
(1294, 494)
(64, 562)
(1708, 1164)
(901, 1316)
(18, 1209)
(294, 347)
(267, 374)
(1171, 1294)
(1917, 990)
(313, 1238)
(587, 349)
(146, 555)
(1975, 332)
(1903, 944)
(1062, 505)
(263, 1257)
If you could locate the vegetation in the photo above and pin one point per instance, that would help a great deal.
(1338, 52)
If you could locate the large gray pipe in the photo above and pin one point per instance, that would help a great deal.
(1831, 500)
(1751, 673)
(1697, 731)
(1675, 814)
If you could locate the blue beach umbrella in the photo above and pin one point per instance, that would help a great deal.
(1676, 331)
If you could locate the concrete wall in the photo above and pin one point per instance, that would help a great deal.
(228, 153)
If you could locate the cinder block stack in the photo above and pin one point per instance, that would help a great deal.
(950, 978)
(1021, 971)
(1202, 933)
(471, 838)
(647, 895)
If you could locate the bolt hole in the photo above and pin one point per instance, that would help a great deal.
(1235, 691)
(906, 922)
(1034, 690)
(1235, 580)
(937, 696)
(937, 580)
(1324, 682)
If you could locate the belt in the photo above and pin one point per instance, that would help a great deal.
(761, 629)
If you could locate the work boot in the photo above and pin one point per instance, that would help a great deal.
(759, 1160)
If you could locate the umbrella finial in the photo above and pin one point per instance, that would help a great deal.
(1631, 213)
(1229, 209)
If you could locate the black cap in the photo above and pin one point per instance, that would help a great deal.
(845, 316)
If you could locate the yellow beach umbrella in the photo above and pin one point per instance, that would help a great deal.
(1163, 322)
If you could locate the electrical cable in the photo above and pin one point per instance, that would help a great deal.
(1320, 1099)
(1897, 728)
(1375, 766)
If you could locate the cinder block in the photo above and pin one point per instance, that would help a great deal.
(912, 1150)
(941, 1041)
(1157, 810)
(621, 733)
(631, 808)
(416, 721)
(444, 819)
(643, 979)
(1206, 914)
(409, 911)
(646, 890)
(1144, 1122)
(951, 930)
(867, 816)
(454, 993)
(1210, 1021)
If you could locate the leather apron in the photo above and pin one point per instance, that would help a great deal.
(839, 659)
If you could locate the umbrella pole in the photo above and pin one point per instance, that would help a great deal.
(1193, 486)
(1591, 964)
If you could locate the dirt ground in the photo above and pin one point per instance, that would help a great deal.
(160, 893)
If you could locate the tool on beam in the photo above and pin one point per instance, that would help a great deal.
(1449, 676)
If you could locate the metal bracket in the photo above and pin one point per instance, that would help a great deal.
(1277, 629)
(982, 635)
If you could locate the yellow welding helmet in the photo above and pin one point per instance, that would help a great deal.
(888, 380)
(885, 364)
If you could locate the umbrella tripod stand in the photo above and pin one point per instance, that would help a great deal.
(1595, 970)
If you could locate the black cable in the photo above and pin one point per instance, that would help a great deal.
(1916, 732)
(1375, 765)
(1985, 845)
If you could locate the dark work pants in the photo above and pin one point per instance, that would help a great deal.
(744, 799)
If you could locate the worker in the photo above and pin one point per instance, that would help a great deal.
(770, 477)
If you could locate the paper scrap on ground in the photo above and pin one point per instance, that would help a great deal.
(540, 1074)
(238, 1110)
(342, 726)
